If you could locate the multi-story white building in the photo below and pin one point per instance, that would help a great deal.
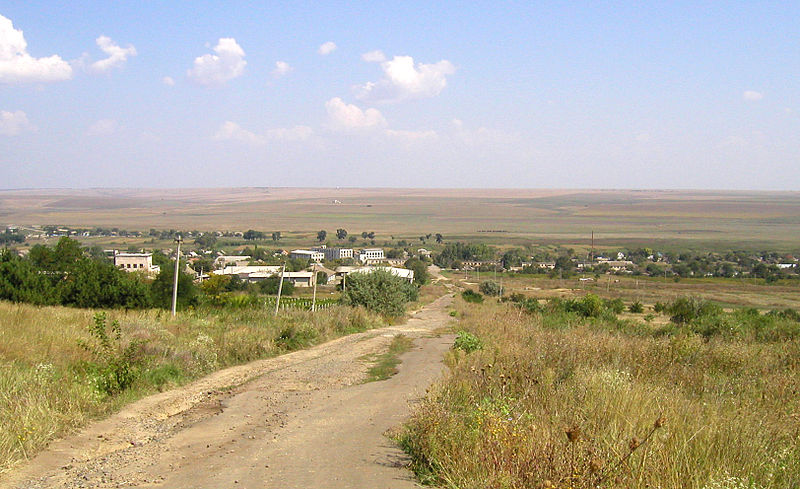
(307, 255)
(334, 253)
(223, 261)
(136, 262)
(370, 255)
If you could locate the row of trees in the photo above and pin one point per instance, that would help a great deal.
(65, 275)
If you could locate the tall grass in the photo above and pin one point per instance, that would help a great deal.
(49, 384)
(557, 400)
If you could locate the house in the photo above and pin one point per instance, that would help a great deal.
(403, 273)
(424, 253)
(223, 261)
(307, 255)
(135, 262)
(250, 273)
(370, 255)
(334, 253)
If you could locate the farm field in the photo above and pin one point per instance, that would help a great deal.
(667, 219)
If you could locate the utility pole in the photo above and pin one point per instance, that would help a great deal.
(280, 287)
(314, 299)
(179, 240)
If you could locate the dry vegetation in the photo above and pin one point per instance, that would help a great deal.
(50, 385)
(554, 400)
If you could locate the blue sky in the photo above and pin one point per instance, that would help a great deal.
(413, 94)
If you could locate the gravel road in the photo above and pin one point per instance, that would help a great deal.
(301, 420)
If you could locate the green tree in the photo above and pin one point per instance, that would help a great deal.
(379, 291)
(490, 287)
(269, 286)
(276, 236)
(420, 268)
(322, 235)
(161, 288)
(341, 233)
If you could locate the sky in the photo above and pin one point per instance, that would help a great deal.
(532, 94)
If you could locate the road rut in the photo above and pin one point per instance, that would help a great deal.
(301, 420)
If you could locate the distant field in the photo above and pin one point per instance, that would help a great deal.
(661, 218)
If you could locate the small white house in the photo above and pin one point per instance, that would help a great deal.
(135, 262)
(307, 255)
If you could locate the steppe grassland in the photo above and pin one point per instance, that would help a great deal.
(558, 401)
(47, 384)
(701, 220)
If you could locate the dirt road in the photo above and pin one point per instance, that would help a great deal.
(302, 420)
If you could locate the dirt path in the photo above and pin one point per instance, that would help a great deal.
(301, 420)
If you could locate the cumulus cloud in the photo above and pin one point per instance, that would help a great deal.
(376, 56)
(231, 131)
(168, 81)
(404, 81)
(281, 68)
(14, 123)
(216, 69)
(327, 48)
(17, 66)
(752, 96)
(343, 116)
(103, 127)
(117, 56)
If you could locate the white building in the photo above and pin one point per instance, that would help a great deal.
(334, 253)
(251, 273)
(223, 261)
(403, 273)
(307, 255)
(135, 262)
(370, 255)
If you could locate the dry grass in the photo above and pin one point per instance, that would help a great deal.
(47, 386)
(561, 402)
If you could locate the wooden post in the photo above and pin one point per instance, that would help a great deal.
(280, 288)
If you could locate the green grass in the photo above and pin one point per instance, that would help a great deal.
(386, 364)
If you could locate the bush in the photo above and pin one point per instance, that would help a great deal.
(113, 365)
(615, 305)
(467, 342)
(490, 287)
(470, 295)
(659, 307)
(269, 286)
(688, 309)
(379, 291)
(636, 308)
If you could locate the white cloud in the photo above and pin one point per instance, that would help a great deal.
(403, 80)
(281, 68)
(231, 131)
(168, 81)
(296, 133)
(217, 69)
(752, 96)
(327, 48)
(344, 116)
(410, 136)
(116, 55)
(14, 123)
(17, 66)
(376, 56)
(103, 127)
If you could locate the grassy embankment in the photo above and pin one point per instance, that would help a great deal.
(50, 385)
(552, 399)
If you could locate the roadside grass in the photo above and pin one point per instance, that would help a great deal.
(555, 400)
(50, 386)
(386, 364)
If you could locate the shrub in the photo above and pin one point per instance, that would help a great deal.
(379, 291)
(269, 286)
(659, 307)
(470, 295)
(490, 287)
(113, 364)
(615, 305)
(687, 309)
(636, 308)
(467, 342)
